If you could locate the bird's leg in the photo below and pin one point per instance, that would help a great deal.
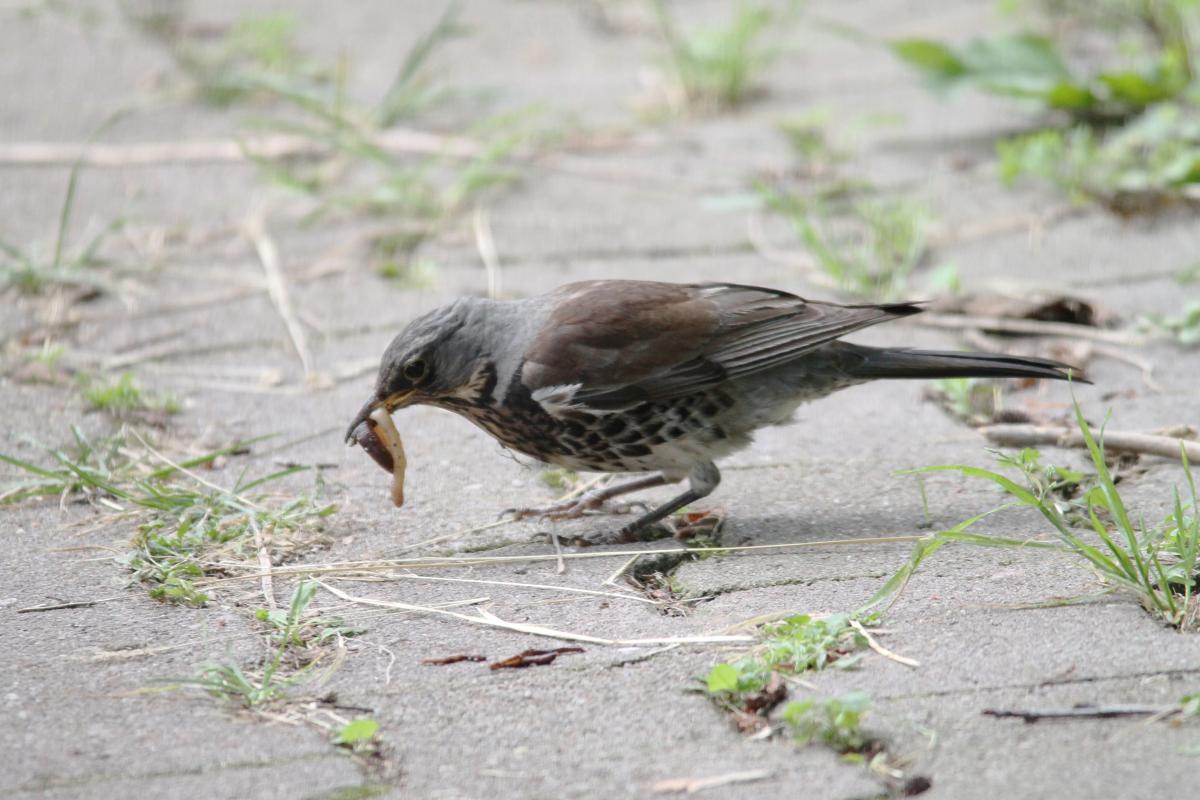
(589, 501)
(702, 480)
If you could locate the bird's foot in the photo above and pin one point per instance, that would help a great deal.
(627, 534)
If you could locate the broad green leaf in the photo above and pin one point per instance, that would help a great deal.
(1070, 96)
(356, 732)
(722, 678)
(932, 58)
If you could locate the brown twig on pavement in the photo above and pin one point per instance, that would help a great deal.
(932, 319)
(1114, 441)
(268, 256)
(1083, 712)
(76, 604)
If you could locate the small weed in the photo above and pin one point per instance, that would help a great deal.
(228, 682)
(295, 627)
(357, 174)
(835, 722)
(1151, 162)
(88, 467)
(971, 400)
(808, 138)
(356, 733)
(124, 398)
(1031, 67)
(31, 272)
(1188, 275)
(269, 685)
(559, 479)
(1184, 329)
(867, 248)
(1132, 142)
(258, 49)
(1159, 564)
(717, 69)
(797, 644)
(752, 685)
(186, 529)
(413, 90)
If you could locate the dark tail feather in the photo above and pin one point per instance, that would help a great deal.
(890, 363)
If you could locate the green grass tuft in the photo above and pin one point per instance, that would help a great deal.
(124, 397)
(717, 68)
(187, 526)
(1159, 564)
(865, 248)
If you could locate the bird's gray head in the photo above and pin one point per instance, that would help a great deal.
(439, 355)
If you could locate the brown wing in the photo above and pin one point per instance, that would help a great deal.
(622, 342)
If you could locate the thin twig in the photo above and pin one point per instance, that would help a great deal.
(880, 649)
(205, 151)
(611, 580)
(485, 243)
(1114, 441)
(185, 471)
(1069, 330)
(1084, 712)
(1143, 364)
(560, 566)
(264, 564)
(470, 561)
(268, 256)
(693, 785)
(77, 604)
(550, 587)
(487, 618)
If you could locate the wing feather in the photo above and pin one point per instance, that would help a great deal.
(625, 342)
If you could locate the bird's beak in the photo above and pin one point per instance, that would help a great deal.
(391, 403)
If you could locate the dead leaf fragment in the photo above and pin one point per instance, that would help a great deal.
(534, 658)
(441, 662)
(1053, 308)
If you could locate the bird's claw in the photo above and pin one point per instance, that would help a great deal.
(569, 510)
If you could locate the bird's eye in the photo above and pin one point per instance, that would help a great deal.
(415, 370)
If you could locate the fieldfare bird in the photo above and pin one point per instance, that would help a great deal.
(642, 376)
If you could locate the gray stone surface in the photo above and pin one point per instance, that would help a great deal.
(83, 690)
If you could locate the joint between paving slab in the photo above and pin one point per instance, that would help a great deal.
(966, 690)
(203, 769)
(771, 584)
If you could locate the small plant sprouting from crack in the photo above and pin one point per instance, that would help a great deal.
(289, 630)
(27, 271)
(124, 397)
(296, 628)
(717, 69)
(835, 722)
(866, 248)
(750, 687)
(1127, 135)
(187, 526)
(232, 68)
(1183, 328)
(299, 640)
(969, 399)
(1159, 564)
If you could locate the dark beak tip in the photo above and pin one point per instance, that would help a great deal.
(363, 414)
